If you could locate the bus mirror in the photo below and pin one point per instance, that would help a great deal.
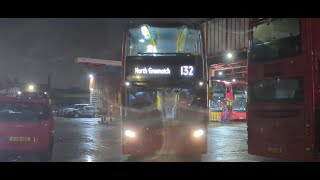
(227, 89)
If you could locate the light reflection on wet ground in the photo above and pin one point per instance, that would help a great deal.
(86, 140)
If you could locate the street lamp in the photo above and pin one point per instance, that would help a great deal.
(91, 86)
(31, 87)
(229, 55)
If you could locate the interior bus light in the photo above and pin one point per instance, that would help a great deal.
(144, 31)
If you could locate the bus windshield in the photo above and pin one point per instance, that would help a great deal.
(240, 97)
(239, 91)
(276, 39)
(140, 99)
(146, 40)
(218, 89)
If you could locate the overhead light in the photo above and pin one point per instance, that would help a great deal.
(31, 87)
(144, 31)
(127, 83)
(141, 40)
(229, 55)
(90, 76)
(233, 80)
(45, 92)
(220, 73)
(19, 92)
(200, 83)
(91, 89)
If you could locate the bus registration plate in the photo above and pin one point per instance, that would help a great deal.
(274, 149)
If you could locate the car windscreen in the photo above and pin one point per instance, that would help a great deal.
(18, 111)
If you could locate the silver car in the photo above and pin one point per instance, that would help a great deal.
(82, 111)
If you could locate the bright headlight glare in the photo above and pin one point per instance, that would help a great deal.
(198, 133)
(130, 133)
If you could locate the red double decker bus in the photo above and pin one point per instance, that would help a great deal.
(229, 100)
(239, 100)
(283, 93)
(164, 90)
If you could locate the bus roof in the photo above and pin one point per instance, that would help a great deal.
(163, 24)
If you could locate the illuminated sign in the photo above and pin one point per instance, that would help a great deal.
(143, 72)
(186, 70)
(163, 69)
(150, 70)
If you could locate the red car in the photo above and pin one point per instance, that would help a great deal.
(26, 128)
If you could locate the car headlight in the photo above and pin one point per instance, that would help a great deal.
(198, 133)
(130, 133)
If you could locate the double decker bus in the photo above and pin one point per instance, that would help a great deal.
(164, 90)
(239, 100)
(283, 93)
(229, 100)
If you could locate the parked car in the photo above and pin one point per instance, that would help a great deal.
(81, 110)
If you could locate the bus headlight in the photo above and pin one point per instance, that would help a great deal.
(130, 134)
(198, 133)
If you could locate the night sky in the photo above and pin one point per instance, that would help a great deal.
(31, 49)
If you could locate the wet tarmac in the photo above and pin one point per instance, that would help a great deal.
(87, 140)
